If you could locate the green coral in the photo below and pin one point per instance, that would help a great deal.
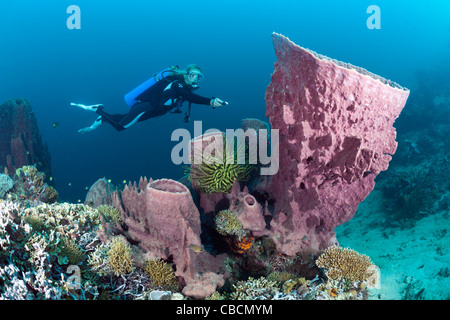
(71, 251)
(161, 274)
(281, 276)
(110, 213)
(120, 257)
(227, 224)
(217, 174)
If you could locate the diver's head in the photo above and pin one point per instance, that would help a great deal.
(193, 74)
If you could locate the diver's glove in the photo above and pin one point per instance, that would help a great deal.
(94, 126)
(216, 102)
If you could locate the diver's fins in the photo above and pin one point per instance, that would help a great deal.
(93, 126)
(92, 107)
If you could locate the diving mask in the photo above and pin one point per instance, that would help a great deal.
(195, 76)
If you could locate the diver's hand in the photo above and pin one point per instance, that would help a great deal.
(216, 102)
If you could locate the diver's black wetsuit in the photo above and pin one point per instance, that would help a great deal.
(162, 97)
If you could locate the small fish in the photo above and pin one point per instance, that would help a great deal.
(87, 188)
(195, 248)
(79, 200)
(109, 180)
(55, 125)
(124, 181)
(69, 184)
(51, 178)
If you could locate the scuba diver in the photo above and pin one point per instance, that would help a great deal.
(162, 93)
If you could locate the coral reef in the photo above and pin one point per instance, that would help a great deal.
(235, 234)
(160, 218)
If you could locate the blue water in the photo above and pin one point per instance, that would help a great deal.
(121, 43)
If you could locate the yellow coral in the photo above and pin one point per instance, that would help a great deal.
(345, 263)
(227, 224)
(161, 273)
(120, 257)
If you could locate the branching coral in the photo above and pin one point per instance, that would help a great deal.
(110, 213)
(161, 274)
(98, 260)
(30, 185)
(72, 251)
(70, 220)
(254, 289)
(227, 224)
(120, 257)
(345, 263)
(9, 228)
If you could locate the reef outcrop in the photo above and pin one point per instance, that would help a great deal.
(161, 220)
(20, 140)
(336, 131)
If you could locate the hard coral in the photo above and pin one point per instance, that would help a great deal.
(161, 274)
(120, 257)
(254, 289)
(110, 213)
(345, 263)
(71, 220)
(30, 185)
(227, 224)
(71, 251)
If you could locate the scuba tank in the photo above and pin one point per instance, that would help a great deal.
(131, 97)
